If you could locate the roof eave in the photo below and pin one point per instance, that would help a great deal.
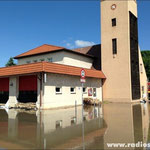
(67, 50)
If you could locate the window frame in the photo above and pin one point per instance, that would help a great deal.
(114, 46)
(114, 22)
(59, 124)
(141, 68)
(84, 92)
(42, 59)
(50, 59)
(28, 61)
(73, 92)
(60, 92)
(35, 61)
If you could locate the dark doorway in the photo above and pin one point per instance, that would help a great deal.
(27, 89)
(4, 90)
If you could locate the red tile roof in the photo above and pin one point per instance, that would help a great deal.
(46, 49)
(50, 68)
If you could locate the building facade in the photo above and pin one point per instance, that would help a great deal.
(50, 75)
(121, 57)
(52, 81)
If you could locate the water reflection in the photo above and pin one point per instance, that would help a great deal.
(47, 129)
(127, 123)
(62, 129)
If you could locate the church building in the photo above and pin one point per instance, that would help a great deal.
(50, 75)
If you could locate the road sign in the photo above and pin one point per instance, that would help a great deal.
(82, 73)
(82, 80)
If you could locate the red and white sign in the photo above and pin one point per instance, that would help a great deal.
(82, 80)
(90, 92)
(82, 74)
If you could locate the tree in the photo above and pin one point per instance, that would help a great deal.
(10, 62)
(146, 60)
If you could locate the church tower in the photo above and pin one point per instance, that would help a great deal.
(121, 57)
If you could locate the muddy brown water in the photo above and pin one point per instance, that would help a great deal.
(62, 128)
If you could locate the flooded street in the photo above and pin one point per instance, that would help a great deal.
(62, 128)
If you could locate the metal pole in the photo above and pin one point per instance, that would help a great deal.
(98, 109)
(40, 93)
(76, 110)
(82, 120)
(94, 110)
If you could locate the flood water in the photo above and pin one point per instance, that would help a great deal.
(63, 128)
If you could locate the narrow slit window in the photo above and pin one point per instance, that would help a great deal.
(113, 22)
(114, 46)
(141, 68)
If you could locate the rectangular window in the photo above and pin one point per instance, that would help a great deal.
(58, 124)
(41, 59)
(94, 92)
(72, 90)
(50, 59)
(113, 22)
(114, 46)
(141, 68)
(58, 90)
(73, 120)
(34, 61)
(28, 62)
(84, 89)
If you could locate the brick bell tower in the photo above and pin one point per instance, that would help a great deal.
(120, 51)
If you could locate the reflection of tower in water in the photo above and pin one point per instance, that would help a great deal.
(127, 123)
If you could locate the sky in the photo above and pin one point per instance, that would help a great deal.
(27, 24)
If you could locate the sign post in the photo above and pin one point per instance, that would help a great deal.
(82, 80)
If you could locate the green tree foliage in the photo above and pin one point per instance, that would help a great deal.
(10, 62)
(146, 60)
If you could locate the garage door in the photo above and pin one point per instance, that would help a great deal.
(4, 90)
(27, 88)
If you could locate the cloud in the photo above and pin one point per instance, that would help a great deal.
(69, 45)
(81, 43)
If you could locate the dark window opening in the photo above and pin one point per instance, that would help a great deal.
(114, 46)
(72, 90)
(84, 89)
(58, 124)
(27, 96)
(114, 22)
(58, 89)
(4, 96)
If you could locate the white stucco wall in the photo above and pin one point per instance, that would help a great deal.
(49, 117)
(61, 57)
(51, 99)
